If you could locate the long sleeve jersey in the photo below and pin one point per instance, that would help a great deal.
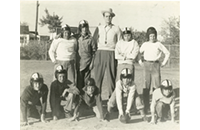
(128, 50)
(30, 95)
(153, 51)
(63, 49)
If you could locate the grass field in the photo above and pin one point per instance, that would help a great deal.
(90, 122)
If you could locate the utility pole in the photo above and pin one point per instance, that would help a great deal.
(36, 23)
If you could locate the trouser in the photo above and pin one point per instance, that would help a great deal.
(137, 101)
(30, 110)
(120, 67)
(68, 103)
(97, 108)
(162, 109)
(105, 61)
(83, 76)
(151, 77)
(69, 66)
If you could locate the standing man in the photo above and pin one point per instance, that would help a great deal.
(106, 37)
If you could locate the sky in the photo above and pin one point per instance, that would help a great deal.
(137, 14)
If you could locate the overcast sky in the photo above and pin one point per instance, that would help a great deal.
(137, 14)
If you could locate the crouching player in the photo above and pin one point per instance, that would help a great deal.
(125, 87)
(33, 100)
(90, 97)
(62, 97)
(163, 100)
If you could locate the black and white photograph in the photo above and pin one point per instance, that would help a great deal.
(99, 65)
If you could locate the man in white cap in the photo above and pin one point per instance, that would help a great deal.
(106, 37)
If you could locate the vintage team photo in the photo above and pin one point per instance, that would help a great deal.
(99, 65)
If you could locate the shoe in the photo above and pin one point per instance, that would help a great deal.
(55, 118)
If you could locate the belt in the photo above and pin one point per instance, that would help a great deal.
(157, 61)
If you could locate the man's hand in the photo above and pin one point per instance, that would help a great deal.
(152, 120)
(58, 36)
(141, 63)
(163, 64)
(55, 62)
(43, 119)
(64, 92)
(25, 123)
(30, 103)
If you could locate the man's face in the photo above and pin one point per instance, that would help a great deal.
(90, 90)
(84, 31)
(166, 92)
(66, 34)
(37, 85)
(126, 81)
(152, 37)
(127, 37)
(108, 17)
(61, 78)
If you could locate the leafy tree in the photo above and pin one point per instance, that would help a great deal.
(53, 21)
(170, 30)
(140, 37)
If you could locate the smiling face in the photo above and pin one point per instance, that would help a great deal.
(126, 81)
(66, 34)
(84, 31)
(166, 92)
(90, 90)
(61, 78)
(127, 37)
(37, 85)
(152, 38)
(108, 18)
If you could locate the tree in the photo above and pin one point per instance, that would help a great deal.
(170, 30)
(53, 21)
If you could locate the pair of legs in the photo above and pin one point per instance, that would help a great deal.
(105, 61)
(152, 79)
(69, 66)
(63, 108)
(162, 110)
(82, 104)
(137, 101)
(83, 76)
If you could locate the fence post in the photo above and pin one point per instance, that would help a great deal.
(46, 51)
(169, 60)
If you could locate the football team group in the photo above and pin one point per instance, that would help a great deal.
(111, 52)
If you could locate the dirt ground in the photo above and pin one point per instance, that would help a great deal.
(88, 121)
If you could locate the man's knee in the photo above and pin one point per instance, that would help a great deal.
(160, 104)
(139, 104)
